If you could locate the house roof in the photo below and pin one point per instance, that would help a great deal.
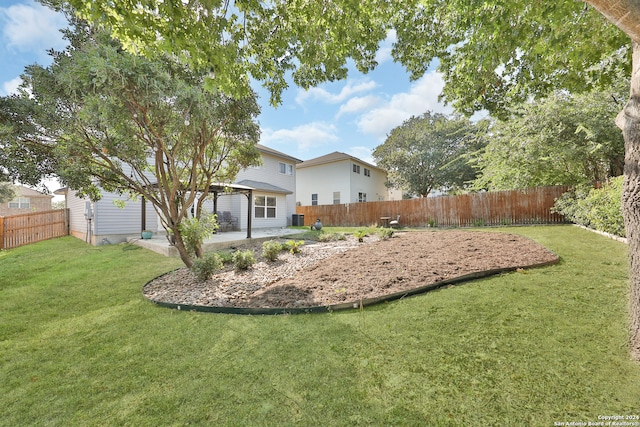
(276, 153)
(22, 191)
(263, 186)
(336, 156)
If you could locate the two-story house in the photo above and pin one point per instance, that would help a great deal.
(338, 178)
(26, 200)
(273, 186)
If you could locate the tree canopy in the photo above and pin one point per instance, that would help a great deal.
(495, 53)
(136, 126)
(233, 41)
(25, 151)
(562, 139)
(430, 152)
(491, 54)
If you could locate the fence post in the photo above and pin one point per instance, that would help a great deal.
(2, 232)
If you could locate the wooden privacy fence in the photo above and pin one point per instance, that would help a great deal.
(531, 206)
(19, 230)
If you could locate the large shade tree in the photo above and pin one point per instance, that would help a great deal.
(138, 127)
(430, 152)
(562, 139)
(491, 53)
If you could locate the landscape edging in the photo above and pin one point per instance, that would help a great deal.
(359, 304)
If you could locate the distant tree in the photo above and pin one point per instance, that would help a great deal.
(7, 192)
(26, 156)
(430, 152)
(136, 126)
(561, 139)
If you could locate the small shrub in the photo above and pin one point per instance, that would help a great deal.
(270, 249)
(385, 233)
(226, 255)
(204, 267)
(195, 230)
(242, 260)
(294, 245)
(331, 237)
(360, 235)
(597, 208)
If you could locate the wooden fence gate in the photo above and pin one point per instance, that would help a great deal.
(19, 230)
(530, 206)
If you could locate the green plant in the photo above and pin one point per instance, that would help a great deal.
(385, 233)
(242, 260)
(294, 245)
(431, 222)
(194, 231)
(597, 208)
(331, 237)
(478, 222)
(360, 235)
(204, 267)
(271, 249)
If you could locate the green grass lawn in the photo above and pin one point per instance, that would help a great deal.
(80, 346)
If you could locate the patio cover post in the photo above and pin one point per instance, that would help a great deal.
(250, 198)
(143, 222)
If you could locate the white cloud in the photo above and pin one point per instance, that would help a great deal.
(351, 88)
(422, 97)
(384, 53)
(32, 27)
(304, 137)
(358, 104)
(11, 87)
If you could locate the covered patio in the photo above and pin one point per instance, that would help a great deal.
(216, 189)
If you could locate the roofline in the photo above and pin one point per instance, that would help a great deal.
(346, 156)
(267, 150)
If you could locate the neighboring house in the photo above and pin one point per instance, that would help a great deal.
(338, 178)
(273, 186)
(26, 201)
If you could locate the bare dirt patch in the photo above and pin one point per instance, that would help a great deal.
(337, 272)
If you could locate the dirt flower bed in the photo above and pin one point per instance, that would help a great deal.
(344, 271)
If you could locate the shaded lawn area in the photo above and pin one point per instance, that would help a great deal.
(79, 345)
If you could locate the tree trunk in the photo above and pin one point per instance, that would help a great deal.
(629, 121)
(182, 250)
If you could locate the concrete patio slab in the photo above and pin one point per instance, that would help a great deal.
(159, 243)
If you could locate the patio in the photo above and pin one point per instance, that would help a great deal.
(159, 243)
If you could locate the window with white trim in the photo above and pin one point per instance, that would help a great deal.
(264, 206)
(362, 197)
(314, 199)
(367, 172)
(356, 168)
(20, 203)
(336, 197)
(286, 168)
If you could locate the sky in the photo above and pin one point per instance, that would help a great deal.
(352, 116)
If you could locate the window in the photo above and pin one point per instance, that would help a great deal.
(314, 199)
(356, 168)
(362, 197)
(367, 172)
(20, 203)
(336, 197)
(286, 168)
(264, 206)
